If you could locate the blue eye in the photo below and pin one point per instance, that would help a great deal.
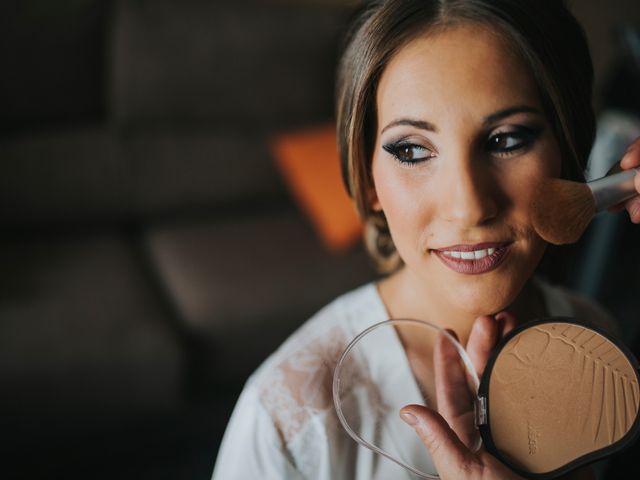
(505, 143)
(408, 153)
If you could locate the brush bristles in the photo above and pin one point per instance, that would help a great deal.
(562, 210)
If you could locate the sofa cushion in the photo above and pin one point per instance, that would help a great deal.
(93, 175)
(197, 169)
(242, 63)
(63, 175)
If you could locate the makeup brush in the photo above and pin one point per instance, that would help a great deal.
(563, 209)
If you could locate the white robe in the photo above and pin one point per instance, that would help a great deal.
(285, 426)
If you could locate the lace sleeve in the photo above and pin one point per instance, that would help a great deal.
(299, 386)
(294, 390)
(297, 394)
(251, 447)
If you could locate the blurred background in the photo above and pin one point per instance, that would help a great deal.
(151, 249)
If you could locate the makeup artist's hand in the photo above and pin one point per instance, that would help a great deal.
(632, 159)
(447, 434)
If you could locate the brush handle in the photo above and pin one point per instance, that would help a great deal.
(613, 189)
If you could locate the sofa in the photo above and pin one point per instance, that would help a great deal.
(152, 254)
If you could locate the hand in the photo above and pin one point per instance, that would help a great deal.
(632, 159)
(454, 397)
(447, 437)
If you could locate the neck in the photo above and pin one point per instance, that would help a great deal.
(404, 301)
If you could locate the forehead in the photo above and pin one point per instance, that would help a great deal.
(465, 68)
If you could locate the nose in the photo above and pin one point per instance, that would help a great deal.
(469, 194)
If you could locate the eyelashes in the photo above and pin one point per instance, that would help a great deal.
(510, 142)
(517, 139)
(408, 153)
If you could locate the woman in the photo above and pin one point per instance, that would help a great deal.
(449, 115)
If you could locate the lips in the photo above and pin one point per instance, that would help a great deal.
(473, 259)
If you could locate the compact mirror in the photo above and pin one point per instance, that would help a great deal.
(555, 394)
(559, 394)
(379, 373)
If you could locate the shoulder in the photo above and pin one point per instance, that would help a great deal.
(251, 447)
(344, 315)
(294, 385)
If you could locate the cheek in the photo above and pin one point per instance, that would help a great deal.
(389, 191)
(523, 183)
(522, 190)
(403, 198)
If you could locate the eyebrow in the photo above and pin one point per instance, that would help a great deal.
(489, 119)
(507, 112)
(421, 124)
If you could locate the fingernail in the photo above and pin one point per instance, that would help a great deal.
(409, 418)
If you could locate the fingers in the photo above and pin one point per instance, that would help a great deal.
(450, 457)
(483, 337)
(452, 392)
(631, 157)
(506, 323)
(453, 395)
(617, 208)
(485, 333)
(633, 204)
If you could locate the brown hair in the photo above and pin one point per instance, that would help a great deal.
(544, 34)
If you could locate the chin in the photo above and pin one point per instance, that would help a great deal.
(479, 297)
(479, 308)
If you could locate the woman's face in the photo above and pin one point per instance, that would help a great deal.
(461, 143)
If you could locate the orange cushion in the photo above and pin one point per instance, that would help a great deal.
(310, 165)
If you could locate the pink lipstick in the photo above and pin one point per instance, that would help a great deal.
(473, 259)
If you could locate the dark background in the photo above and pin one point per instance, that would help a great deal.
(150, 254)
